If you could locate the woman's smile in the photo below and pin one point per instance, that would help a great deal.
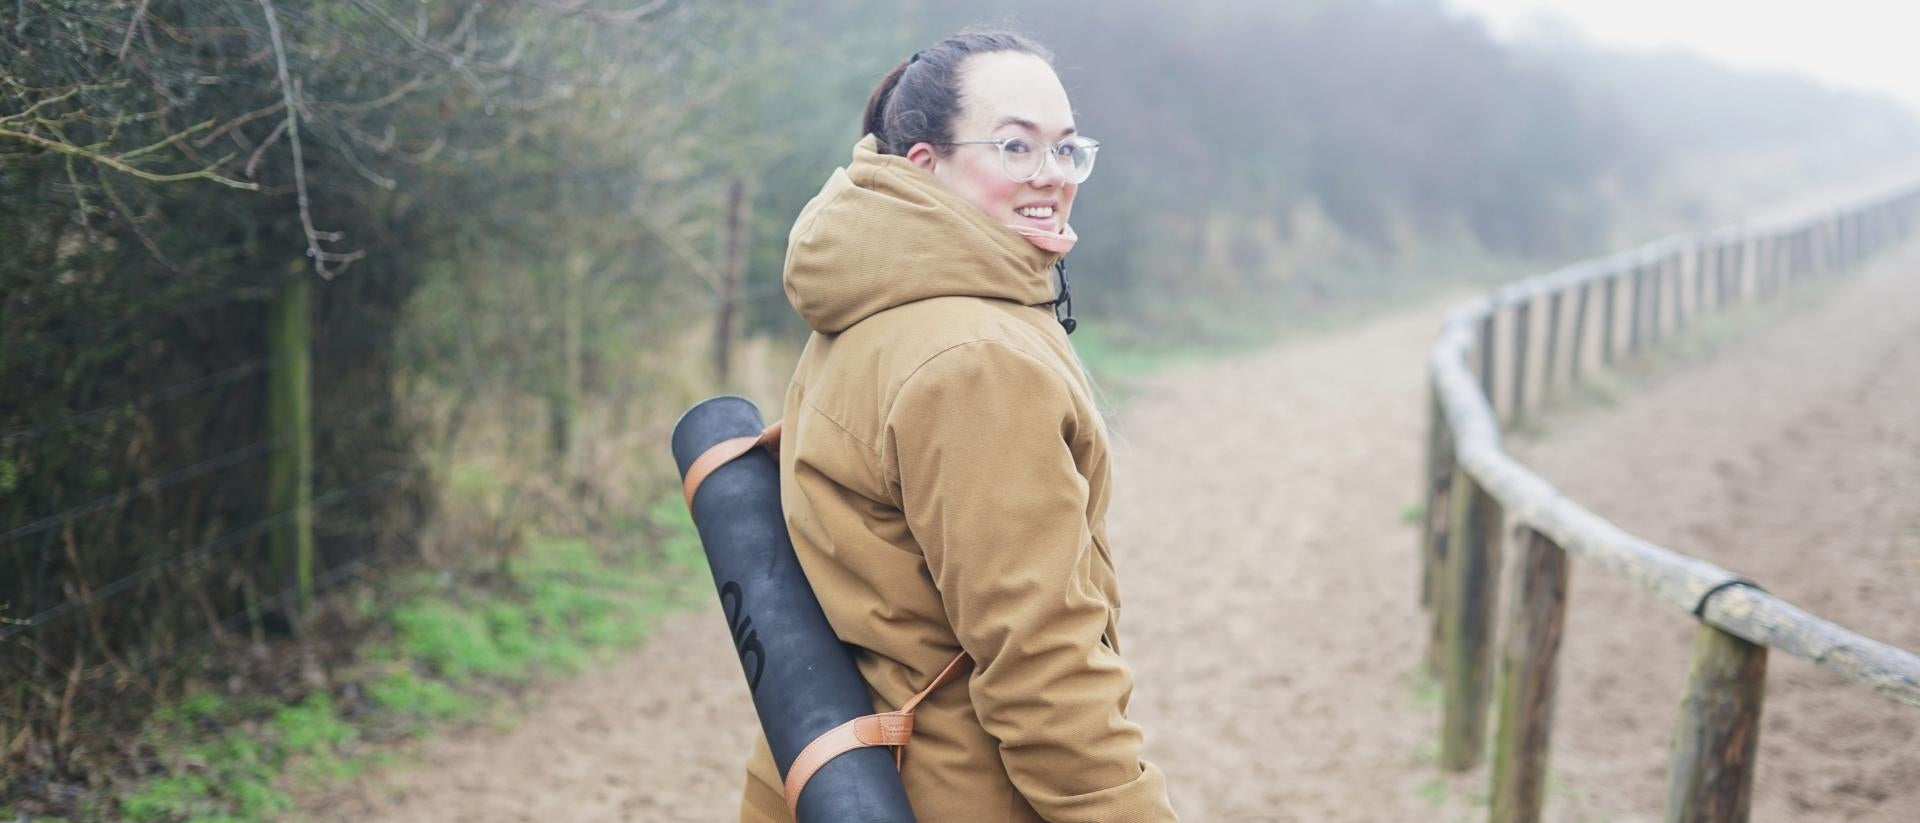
(1039, 215)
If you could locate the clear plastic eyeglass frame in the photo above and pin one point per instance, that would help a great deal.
(1074, 173)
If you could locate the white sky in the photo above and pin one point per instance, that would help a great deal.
(1870, 45)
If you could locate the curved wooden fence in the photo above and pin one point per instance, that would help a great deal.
(1615, 305)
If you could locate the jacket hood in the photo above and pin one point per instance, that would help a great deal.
(883, 233)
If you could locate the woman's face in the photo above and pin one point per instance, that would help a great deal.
(1006, 94)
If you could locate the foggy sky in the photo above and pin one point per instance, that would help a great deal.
(1865, 45)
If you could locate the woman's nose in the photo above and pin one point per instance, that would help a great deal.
(1053, 172)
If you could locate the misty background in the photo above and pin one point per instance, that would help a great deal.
(534, 232)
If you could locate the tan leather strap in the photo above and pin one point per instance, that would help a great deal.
(726, 451)
(892, 728)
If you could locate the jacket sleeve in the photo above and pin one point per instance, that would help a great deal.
(980, 439)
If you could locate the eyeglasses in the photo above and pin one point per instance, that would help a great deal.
(1022, 158)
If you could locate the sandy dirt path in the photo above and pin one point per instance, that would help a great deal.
(1270, 609)
(1790, 456)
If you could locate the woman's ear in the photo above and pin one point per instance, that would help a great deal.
(922, 155)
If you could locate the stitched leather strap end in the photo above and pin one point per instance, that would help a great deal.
(893, 729)
(888, 729)
(726, 451)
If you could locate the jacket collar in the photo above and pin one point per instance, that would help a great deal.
(883, 233)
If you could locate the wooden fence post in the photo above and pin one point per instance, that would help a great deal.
(1657, 309)
(1769, 252)
(1702, 265)
(1439, 452)
(1829, 246)
(1487, 375)
(564, 394)
(1577, 348)
(1681, 268)
(1843, 240)
(1522, 331)
(1535, 622)
(1711, 777)
(732, 276)
(1551, 355)
(1606, 319)
(1741, 288)
(290, 425)
(1723, 261)
(1473, 563)
(1634, 309)
(1440, 468)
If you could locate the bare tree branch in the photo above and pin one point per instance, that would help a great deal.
(578, 8)
(272, 137)
(237, 122)
(133, 222)
(113, 162)
(290, 90)
(133, 25)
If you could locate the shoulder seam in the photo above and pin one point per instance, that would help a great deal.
(808, 402)
(1008, 345)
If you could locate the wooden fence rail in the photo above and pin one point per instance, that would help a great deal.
(1474, 488)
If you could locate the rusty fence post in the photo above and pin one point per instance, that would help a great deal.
(1535, 622)
(1711, 776)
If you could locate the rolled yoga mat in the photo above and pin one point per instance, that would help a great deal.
(802, 677)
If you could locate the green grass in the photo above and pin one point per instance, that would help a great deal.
(562, 605)
(1434, 791)
(169, 798)
(407, 694)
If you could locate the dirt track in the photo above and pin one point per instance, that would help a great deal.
(1270, 608)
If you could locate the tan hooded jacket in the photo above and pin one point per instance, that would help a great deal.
(944, 474)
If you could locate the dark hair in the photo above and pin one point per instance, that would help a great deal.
(917, 101)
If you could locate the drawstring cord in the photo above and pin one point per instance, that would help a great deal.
(1066, 298)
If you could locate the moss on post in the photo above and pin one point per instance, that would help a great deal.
(1711, 778)
(290, 425)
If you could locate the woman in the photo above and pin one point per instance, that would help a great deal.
(943, 468)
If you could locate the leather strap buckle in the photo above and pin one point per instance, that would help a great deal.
(894, 728)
